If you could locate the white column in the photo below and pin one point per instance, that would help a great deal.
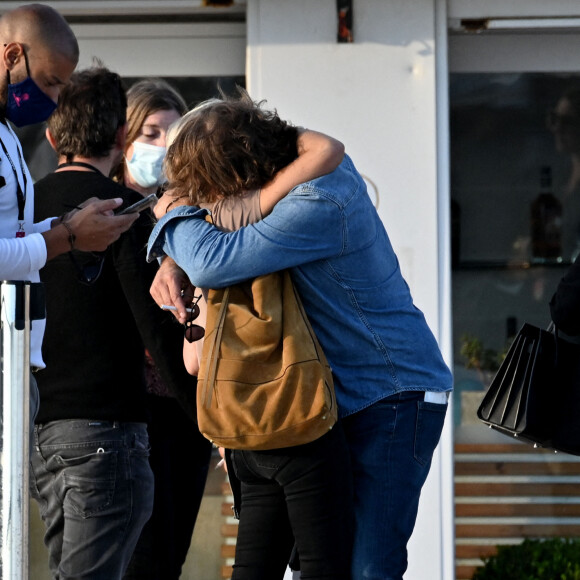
(15, 381)
(380, 97)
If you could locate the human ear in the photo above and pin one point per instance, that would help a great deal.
(11, 55)
(50, 138)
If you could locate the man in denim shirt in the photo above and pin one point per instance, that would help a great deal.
(390, 379)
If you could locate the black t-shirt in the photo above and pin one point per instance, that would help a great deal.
(96, 334)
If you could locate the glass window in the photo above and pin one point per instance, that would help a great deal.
(515, 190)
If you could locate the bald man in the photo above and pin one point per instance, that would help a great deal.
(38, 52)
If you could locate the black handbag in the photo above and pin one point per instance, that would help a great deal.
(535, 394)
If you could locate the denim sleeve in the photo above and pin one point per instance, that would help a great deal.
(302, 228)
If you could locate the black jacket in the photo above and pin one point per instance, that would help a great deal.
(96, 335)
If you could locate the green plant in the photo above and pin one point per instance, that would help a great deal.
(478, 357)
(553, 559)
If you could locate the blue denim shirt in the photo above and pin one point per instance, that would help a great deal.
(342, 262)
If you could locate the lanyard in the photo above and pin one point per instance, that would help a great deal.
(79, 164)
(20, 195)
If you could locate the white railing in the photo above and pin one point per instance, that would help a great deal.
(14, 430)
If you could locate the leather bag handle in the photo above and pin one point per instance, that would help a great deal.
(215, 346)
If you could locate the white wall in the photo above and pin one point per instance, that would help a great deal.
(521, 52)
(513, 8)
(378, 96)
(165, 49)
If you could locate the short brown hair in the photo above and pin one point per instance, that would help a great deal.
(92, 107)
(228, 146)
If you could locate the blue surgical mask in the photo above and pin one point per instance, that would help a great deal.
(26, 103)
(146, 164)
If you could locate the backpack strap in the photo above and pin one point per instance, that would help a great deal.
(213, 355)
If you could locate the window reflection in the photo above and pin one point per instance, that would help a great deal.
(515, 188)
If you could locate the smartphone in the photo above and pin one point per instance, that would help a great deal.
(140, 205)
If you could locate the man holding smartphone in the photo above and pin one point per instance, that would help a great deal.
(91, 425)
(39, 53)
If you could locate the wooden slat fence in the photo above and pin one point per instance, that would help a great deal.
(505, 493)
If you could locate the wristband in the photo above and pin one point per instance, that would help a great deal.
(71, 237)
(61, 218)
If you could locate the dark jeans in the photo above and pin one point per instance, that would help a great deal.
(34, 401)
(94, 488)
(391, 443)
(179, 459)
(300, 494)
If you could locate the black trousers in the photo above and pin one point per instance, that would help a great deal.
(299, 495)
(179, 459)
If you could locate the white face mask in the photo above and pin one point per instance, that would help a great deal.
(146, 164)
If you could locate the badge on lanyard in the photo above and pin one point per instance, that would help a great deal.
(20, 192)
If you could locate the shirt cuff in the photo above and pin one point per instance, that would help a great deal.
(36, 250)
(44, 225)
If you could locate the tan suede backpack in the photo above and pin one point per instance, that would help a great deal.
(263, 382)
